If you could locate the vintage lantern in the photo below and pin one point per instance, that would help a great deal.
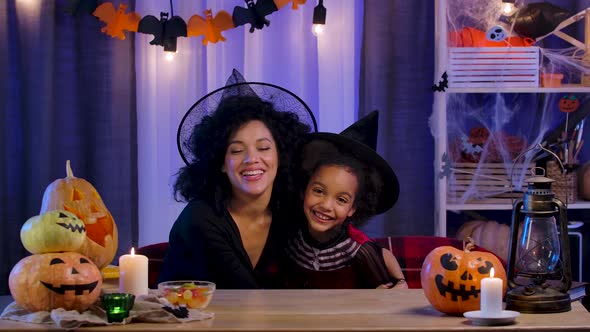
(539, 266)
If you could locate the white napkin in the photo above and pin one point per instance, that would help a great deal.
(147, 308)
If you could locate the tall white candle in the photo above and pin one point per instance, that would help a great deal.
(133, 274)
(491, 296)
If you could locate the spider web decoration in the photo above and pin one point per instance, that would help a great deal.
(493, 128)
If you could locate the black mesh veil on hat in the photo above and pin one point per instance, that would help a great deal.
(282, 99)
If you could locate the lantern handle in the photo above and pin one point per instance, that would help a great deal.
(542, 148)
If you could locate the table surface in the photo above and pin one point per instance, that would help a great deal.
(336, 310)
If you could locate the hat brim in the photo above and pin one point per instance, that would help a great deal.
(282, 99)
(390, 190)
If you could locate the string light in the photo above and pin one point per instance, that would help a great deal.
(508, 7)
(319, 18)
(169, 56)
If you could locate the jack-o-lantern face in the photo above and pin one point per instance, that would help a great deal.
(78, 196)
(568, 104)
(53, 231)
(44, 282)
(451, 278)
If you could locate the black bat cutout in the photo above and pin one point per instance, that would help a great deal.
(254, 14)
(442, 84)
(165, 30)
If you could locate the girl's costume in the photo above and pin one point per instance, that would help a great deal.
(343, 262)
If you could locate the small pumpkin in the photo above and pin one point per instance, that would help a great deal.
(490, 234)
(451, 278)
(568, 103)
(44, 282)
(53, 231)
(78, 196)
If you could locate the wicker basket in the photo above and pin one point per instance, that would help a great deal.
(491, 185)
(565, 186)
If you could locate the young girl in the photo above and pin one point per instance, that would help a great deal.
(346, 183)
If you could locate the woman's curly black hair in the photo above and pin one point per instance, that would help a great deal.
(320, 153)
(203, 178)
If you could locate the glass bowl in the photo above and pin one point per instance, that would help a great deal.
(193, 294)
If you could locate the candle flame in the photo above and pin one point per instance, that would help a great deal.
(491, 272)
(132, 251)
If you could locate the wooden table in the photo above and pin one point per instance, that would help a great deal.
(338, 310)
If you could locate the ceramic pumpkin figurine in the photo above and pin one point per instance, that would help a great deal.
(53, 231)
(78, 196)
(451, 278)
(44, 282)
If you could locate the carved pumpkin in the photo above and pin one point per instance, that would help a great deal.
(451, 278)
(81, 198)
(568, 103)
(53, 231)
(44, 282)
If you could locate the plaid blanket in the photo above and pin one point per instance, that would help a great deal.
(411, 251)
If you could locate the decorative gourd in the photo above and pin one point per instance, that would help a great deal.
(53, 231)
(451, 278)
(81, 198)
(491, 235)
(44, 282)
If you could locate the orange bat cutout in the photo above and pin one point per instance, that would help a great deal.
(209, 27)
(295, 3)
(116, 20)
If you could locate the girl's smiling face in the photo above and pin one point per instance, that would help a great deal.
(329, 199)
(251, 160)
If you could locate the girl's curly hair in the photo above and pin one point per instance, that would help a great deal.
(320, 153)
(203, 178)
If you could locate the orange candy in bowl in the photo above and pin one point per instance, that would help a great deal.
(192, 294)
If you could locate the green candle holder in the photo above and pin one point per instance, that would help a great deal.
(117, 305)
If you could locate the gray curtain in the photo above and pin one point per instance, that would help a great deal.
(397, 72)
(67, 91)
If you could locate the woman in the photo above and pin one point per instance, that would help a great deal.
(238, 188)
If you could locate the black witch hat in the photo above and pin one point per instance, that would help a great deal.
(282, 99)
(360, 141)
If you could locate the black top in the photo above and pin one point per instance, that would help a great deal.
(205, 245)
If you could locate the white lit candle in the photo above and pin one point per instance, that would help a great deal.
(133, 274)
(491, 296)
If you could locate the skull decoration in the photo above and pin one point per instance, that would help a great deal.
(496, 34)
(451, 278)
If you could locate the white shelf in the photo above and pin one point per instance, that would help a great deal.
(562, 89)
(483, 206)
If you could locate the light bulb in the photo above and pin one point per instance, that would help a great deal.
(169, 56)
(508, 8)
(317, 29)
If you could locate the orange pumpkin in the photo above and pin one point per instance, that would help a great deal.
(44, 282)
(451, 278)
(568, 103)
(81, 198)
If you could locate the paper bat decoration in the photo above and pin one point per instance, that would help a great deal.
(442, 84)
(165, 30)
(294, 3)
(254, 14)
(209, 27)
(116, 20)
(78, 7)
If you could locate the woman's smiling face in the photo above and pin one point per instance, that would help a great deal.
(329, 199)
(251, 160)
